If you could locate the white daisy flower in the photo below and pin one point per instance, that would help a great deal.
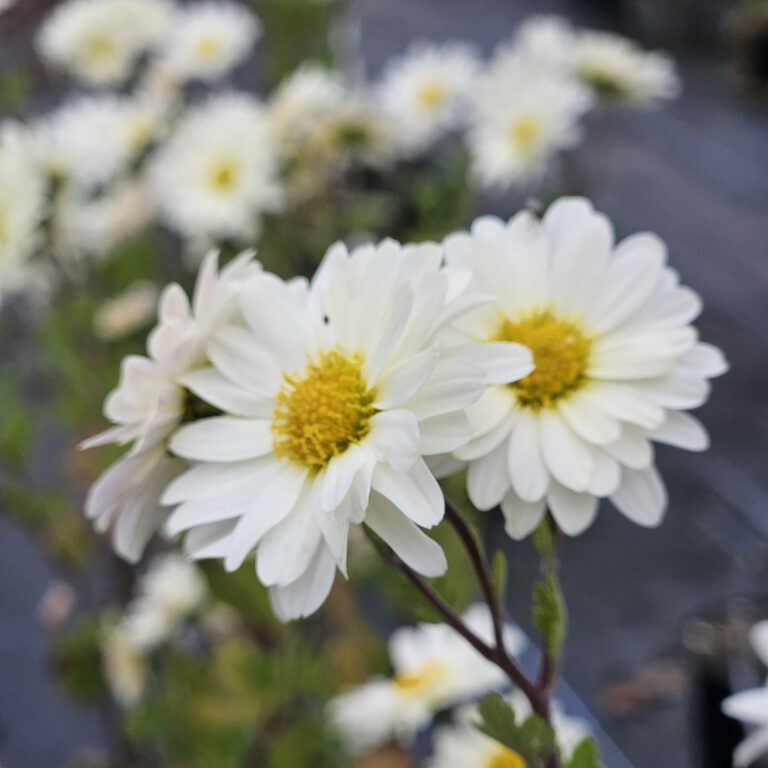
(329, 412)
(462, 745)
(617, 363)
(91, 140)
(426, 91)
(22, 204)
(618, 70)
(208, 39)
(100, 41)
(751, 707)
(216, 175)
(169, 592)
(124, 664)
(126, 313)
(545, 40)
(522, 118)
(434, 669)
(150, 403)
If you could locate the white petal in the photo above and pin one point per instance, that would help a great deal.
(641, 496)
(236, 353)
(409, 543)
(488, 479)
(337, 478)
(522, 517)
(502, 361)
(589, 421)
(214, 388)
(622, 356)
(682, 431)
(632, 449)
(223, 438)
(574, 512)
(392, 329)
(705, 360)
(208, 541)
(607, 475)
(305, 595)
(624, 402)
(749, 750)
(416, 493)
(334, 525)
(394, 438)
(529, 475)
(401, 382)
(443, 434)
(567, 457)
(749, 706)
(270, 509)
(453, 386)
(213, 479)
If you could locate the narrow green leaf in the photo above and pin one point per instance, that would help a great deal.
(499, 574)
(586, 755)
(549, 614)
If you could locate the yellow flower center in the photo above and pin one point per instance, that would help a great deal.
(322, 411)
(432, 95)
(504, 757)
(560, 350)
(224, 175)
(419, 681)
(208, 48)
(525, 132)
(98, 48)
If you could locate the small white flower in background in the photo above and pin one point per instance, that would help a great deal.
(328, 414)
(216, 176)
(91, 140)
(751, 707)
(619, 71)
(544, 40)
(521, 119)
(617, 364)
(208, 39)
(129, 312)
(425, 92)
(462, 745)
(124, 664)
(100, 41)
(150, 403)
(22, 205)
(169, 592)
(434, 668)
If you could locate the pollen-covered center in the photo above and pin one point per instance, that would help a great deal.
(432, 95)
(224, 175)
(208, 48)
(524, 133)
(419, 681)
(561, 351)
(504, 757)
(322, 411)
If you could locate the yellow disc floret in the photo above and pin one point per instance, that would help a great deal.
(322, 411)
(504, 757)
(419, 682)
(524, 133)
(432, 95)
(560, 350)
(224, 175)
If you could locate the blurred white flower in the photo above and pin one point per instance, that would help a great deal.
(617, 363)
(150, 403)
(208, 39)
(435, 668)
(215, 177)
(100, 41)
(129, 312)
(22, 205)
(618, 70)
(327, 415)
(425, 92)
(124, 664)
(545, 40)
(91, 140)
(169, 592)
(462, 745)
(751, 707)
(523, 116)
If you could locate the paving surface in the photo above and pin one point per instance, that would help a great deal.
(697, 173)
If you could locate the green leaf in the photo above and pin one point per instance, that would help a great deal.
(543, 539)
(549, 614)
(77, 661)
(533, 740)
(586, 755)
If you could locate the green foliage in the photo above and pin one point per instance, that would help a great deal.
(77, 661)
(499, 576)
(585, 755)
(532, 739)
(15, 87)
(549, 613)
(15, 424)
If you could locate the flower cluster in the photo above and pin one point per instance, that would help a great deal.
(142, 147)
(537, 352)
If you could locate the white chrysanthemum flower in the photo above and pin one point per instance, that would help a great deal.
(91, 140)
(426, 92)
(22, 203)
(124, 314)
(751, 707)
(617, 363)
(545, 40)
(618, 70)
(216, 176)
(463, 746)
(329, 412)
(169, 592)
(100, 41)
(434, 668)
(208, 39)
(150, 403)
(522, 118)
(124, 664)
